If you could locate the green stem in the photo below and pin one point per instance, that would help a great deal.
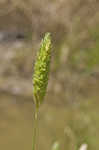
(35, 128)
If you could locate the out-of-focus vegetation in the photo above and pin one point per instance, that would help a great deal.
(69, 116)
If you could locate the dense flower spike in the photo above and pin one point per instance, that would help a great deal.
(41, 70)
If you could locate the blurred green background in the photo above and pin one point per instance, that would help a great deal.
(69, 116)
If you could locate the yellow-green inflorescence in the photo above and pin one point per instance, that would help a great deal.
(41, 70)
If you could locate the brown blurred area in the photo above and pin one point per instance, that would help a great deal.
(74, 79)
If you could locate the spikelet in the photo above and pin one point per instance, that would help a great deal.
(41, 70)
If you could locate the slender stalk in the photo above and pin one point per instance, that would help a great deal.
(35, 128)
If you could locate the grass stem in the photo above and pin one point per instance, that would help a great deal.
(35, 128)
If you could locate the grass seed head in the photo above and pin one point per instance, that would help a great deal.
(41, 70)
